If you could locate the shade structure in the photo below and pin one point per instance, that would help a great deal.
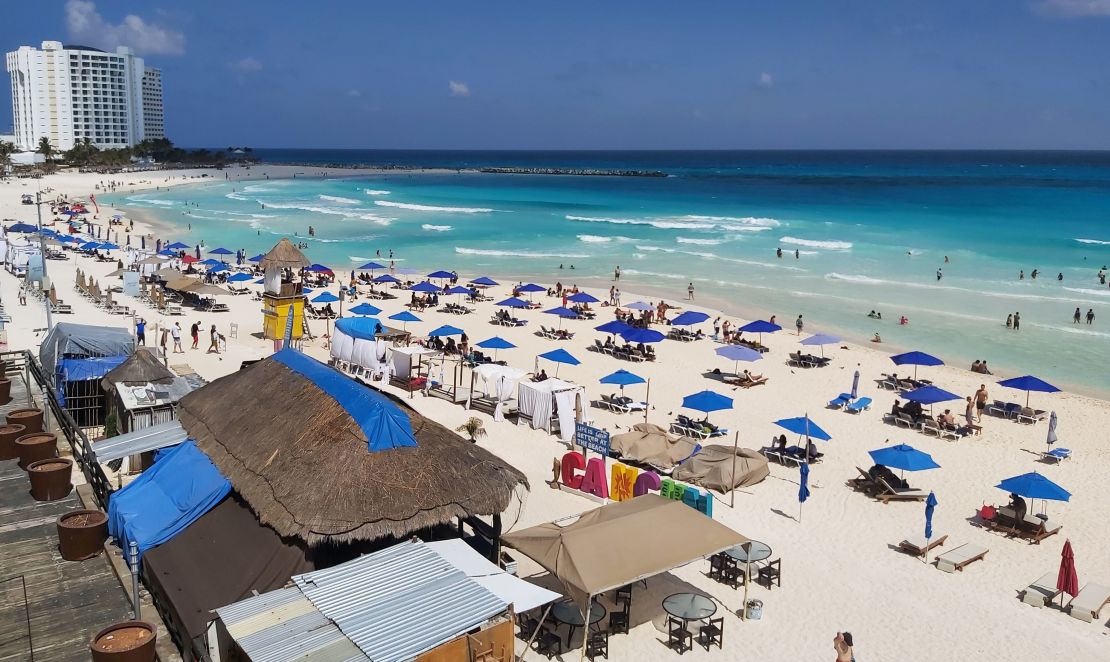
(1034, 486)
(220, 251)
(617, 544)
(707, 401)
(513, 302)
(325, 297)
(915, 359)
(560, 356)
(928, 395)
(642, 335)
(239, 277)
(640, 305)
(167, 253)
(1028, 383)
(364, 309)
(689, 317)
(1067, 581)
(177, 246)
(484, 280)
(496, 342)
(257, 258)
(804, 426)
(446, 330)
(424, 286)
(404, 316)
(821, 339)
(441, 274)
(387, 278)
(189, 259)
(108, 246)
(457, 289)
(615, 327)
(318, 268)
(622, 378)
(210, 262)
(531, 287)
(904, 457)
(371, 266)
(738, 353)
(583, 297)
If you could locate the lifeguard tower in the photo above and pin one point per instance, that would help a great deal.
(282, 297)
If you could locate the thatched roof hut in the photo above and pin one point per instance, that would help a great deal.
(284, 255)
(142, 367)
(286, 435)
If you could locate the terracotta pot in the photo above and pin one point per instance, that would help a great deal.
(29, 418)
(5, 391)
(51, 479)
(81, 534)
(126, 641)
(36, 446)
(8, 434)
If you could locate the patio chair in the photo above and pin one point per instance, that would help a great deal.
(1030, 415)
(930, 426)
(597, 643)
(863, 483)
(619, 621)
(958, 558)
(888, 493)
(679, 639)
(548, 643)
(918, 546)
(905, 420)
(1090, 601)
(998, 408)
(712, 633)
(771, 573)
(1042, 591)
(859, 405)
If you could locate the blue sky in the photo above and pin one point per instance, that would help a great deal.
(734, 74)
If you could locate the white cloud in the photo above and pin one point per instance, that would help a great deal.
(766, 80)
(1073, 8)
(458, 89)
(247, 65)
(87, 26)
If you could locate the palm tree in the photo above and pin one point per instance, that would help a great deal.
(472, 428)
(6, 151)
(47, 151)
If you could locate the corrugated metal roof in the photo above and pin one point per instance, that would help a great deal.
(140, 441)
(400, 602)
(283, 625)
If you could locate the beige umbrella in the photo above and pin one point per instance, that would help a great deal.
(157, 259)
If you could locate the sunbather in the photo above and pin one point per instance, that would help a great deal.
(880, 471)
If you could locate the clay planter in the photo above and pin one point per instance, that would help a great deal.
(29, 418)
(5, 390)
(81, 534)
(51, 479)
(126, 641)
(34, 447)
(8, 434)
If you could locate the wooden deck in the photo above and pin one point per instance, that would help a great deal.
(68, 602)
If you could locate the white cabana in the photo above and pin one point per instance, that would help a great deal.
(537, 401)
(368, 353)
(498, 382)
(403, 359)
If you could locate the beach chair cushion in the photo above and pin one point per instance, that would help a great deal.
(1040, 592)
(859, 405)
(956, 559)
(1058, 454)
(1090, 601)
(840, 400)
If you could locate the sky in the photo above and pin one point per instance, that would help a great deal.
(732, 74)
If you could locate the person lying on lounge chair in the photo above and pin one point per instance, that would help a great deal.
(896, 409)
(880, 471)
(914, 410)
(778, 444)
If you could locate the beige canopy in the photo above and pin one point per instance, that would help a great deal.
(712, 468)
(650, 444)
(621, 543)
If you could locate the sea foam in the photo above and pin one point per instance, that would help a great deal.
(496, 253)
(814, 243)
(370, 191)
(449, 210)
(341, 200)
(1098, 242)
(435, 228)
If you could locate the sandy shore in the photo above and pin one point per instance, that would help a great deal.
(840, 568)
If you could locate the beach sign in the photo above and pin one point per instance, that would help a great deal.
(591, 438)
(623, 482)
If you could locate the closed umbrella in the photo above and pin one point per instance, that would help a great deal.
(1052, 431)
(855, 385)
(803, 486)
(1067, 581)
(930, 505)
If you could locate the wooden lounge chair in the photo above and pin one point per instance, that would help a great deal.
(1042, 591)
(918, 546)
(1032, 528)
(1090, 601)
(887, 493)
(863, 483)
(956, 559)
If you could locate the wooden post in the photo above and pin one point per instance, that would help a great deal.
(647, 401)
(735, 448)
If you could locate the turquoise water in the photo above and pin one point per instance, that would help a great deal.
(871, 230)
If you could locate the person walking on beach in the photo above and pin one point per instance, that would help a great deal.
(617, 273)
(1017, 321)
(716, 327)
(798, 324)
(214, 346)
(165, 340)
(140, 332)
(843, 645)
(617, 297)
(981, 397)
(690, 292)
(1090, 315)
(1076, 317)
(175, 331)
(194, 331)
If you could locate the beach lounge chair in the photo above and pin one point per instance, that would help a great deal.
(798, 359)
(1090, 601)
(998, 408)
(958, 558)
(840, 400)
(918, 546)
(887, 493)
(1042, 591)
(864, 482)
(629, 404)
(858, 406)
(929, 426)
(1029, 415)
(1032, 528)
(613, 404)
(905, 420)
(1057, 455)
(889, 382)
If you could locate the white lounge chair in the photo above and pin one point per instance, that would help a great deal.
(1090, 601)
(958, 558)
(1042, 591)
(899, 493)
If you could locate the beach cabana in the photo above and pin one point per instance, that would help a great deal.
(552, 405)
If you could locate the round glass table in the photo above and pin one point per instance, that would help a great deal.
(689, 606)
(566, 611)
(752, 551)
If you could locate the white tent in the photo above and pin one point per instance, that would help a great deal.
(537, 400)
(499, 382)
(402, 359)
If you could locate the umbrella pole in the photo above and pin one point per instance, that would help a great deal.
(647, 401)
(927, 551)
(747, 579)
(735, 448)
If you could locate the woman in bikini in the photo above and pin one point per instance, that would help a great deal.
(843, 645)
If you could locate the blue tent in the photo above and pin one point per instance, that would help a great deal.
(1034, 486)
(689, 317)
(928, 395)
(531, 287)
(707, 401)
(220, 251)
(239, 277)
(562, 312)
(513, 302)
(622, 378)
(176, 246)
(441, 274)
(22, 227)
(446, 330)
(1028, 383)
(904, 457)
(387, 278)
(424, 286)
(560, 356)
(582, 297)
(642, 335)
(404, 316)
(615, 327)
(496, 342)
(640, 305)
(915, 359)
(364, 309)
(362, 328)
(181, 487)
(325, 297)
(371, 266)
(484, 280)
(804, 426)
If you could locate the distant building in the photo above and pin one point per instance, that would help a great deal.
(69, 93)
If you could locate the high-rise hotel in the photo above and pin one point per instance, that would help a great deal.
(69, 93)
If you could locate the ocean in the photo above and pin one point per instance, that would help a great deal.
(859, 231)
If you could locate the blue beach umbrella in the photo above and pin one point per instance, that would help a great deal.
(821, 339)
(239, 277)
(928, 395)
(622, 378)
(1028, 383)
(256, 258)
(1034, 486)
(424, 286)
(638, 335)
(90, 246)
(441, 274)
(260, 281)
(22, 228)
(760, 327)
(220, 251)
(904, 457)
(531, 287)
(804, 426)
(177, 246)
(583, 297)
(404, 317)
(915, 359)
(458, 289)
(562, 312)
(446, 330)
(616, 327)
(364, 309)
(325, 297)
(707, 401)
(484, 280)
(513, 302)
(318, 268)
(559, 356)
(371, 266)
(738, 353)
(689, 317)
(640, 305)
(218, 268)
(167, 253)
(109, 246)
(386, 278)
(210, 262)
(496, 343)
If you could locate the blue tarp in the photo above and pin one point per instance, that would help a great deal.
(78, 370)
(180, 488)
(362, 328)
(383, 422)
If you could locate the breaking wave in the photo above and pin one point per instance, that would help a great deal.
(435, 228)
(341, 200)
(452, 210)
(813, 243)
(496, 253)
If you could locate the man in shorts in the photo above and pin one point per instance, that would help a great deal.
(981, 401)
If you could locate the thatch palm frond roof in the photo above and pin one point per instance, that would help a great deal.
(302, 463)
(142, 367)
(284, 255)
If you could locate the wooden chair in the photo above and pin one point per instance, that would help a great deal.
(598, 644)
(619, 621)
(712, 633)
(771, 574)
(679, 639)
(548, 643)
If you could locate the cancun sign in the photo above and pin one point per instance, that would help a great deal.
(623, 482)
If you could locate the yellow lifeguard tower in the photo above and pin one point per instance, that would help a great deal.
(281, 298)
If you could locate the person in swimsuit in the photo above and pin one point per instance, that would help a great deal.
(981, 401)
(843, 645)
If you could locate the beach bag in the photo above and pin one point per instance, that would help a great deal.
(987, 513)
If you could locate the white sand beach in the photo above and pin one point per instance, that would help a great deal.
(841, 569)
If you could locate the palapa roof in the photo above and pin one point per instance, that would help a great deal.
(284, 254)
(142, 367)
(303, 465)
